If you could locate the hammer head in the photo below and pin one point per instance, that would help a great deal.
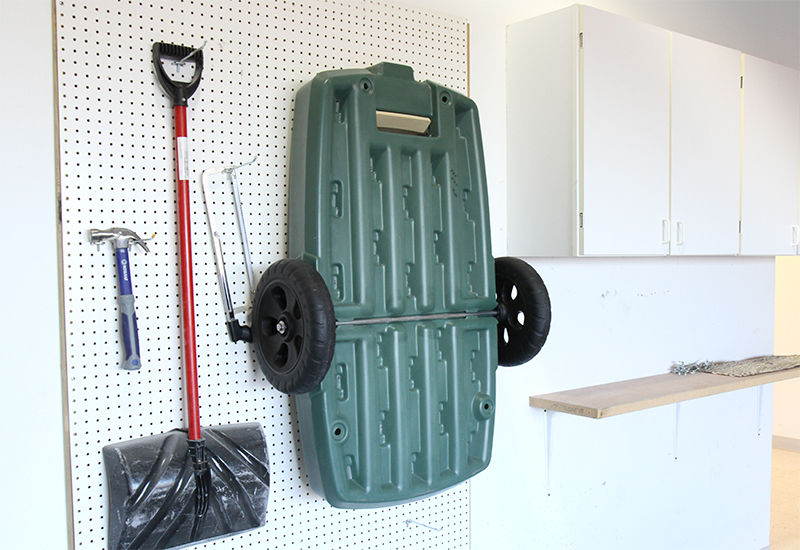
(123, 238)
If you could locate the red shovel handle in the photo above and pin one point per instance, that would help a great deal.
(185, 262)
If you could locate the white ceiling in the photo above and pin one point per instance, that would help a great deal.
(769, 29)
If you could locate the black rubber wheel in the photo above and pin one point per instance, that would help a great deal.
(294, 329)
(523, 311)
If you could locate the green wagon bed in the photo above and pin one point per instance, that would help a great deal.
(391, 315)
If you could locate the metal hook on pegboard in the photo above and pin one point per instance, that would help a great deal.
(408, 523)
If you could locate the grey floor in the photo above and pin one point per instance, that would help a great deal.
(785, 517)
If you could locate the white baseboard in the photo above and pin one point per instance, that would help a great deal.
(786, 443)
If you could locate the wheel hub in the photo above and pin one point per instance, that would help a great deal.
(281, 327)
(285, 327)
(502, 313)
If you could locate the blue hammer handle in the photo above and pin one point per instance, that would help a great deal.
(130, 332)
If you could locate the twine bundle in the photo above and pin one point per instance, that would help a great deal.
(745, 367)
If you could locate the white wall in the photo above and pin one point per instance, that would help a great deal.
(691, 477)
(33, 509)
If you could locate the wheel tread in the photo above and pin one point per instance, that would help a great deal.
(526, 342)
(319, 334)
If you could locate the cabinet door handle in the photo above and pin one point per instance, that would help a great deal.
(666, 231)
(681, 234)
(795, 235)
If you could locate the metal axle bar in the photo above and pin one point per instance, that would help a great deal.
(417, 318)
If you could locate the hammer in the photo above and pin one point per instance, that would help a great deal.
(123, 239)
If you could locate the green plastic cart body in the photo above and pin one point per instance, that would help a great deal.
(396, 221)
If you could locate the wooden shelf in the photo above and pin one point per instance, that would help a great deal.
(652, 391)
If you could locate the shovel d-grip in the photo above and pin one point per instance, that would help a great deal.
(178, 91)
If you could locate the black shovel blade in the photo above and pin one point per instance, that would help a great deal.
(152, 490)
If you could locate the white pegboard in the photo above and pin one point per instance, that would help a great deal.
(117, 169)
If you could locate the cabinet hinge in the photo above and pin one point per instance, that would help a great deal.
(741, 82)
(580, 40)
(740, 227)
(580, 220)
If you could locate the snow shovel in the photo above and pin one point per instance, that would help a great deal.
(186, 486)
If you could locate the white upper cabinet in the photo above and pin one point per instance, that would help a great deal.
(706, 145)
(627, 139)
(624, 116)
(588, 135)
(770, 158)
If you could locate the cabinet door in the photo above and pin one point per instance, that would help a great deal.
(706, 143)
(624, 192)
(770, 158)
(541, 102)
